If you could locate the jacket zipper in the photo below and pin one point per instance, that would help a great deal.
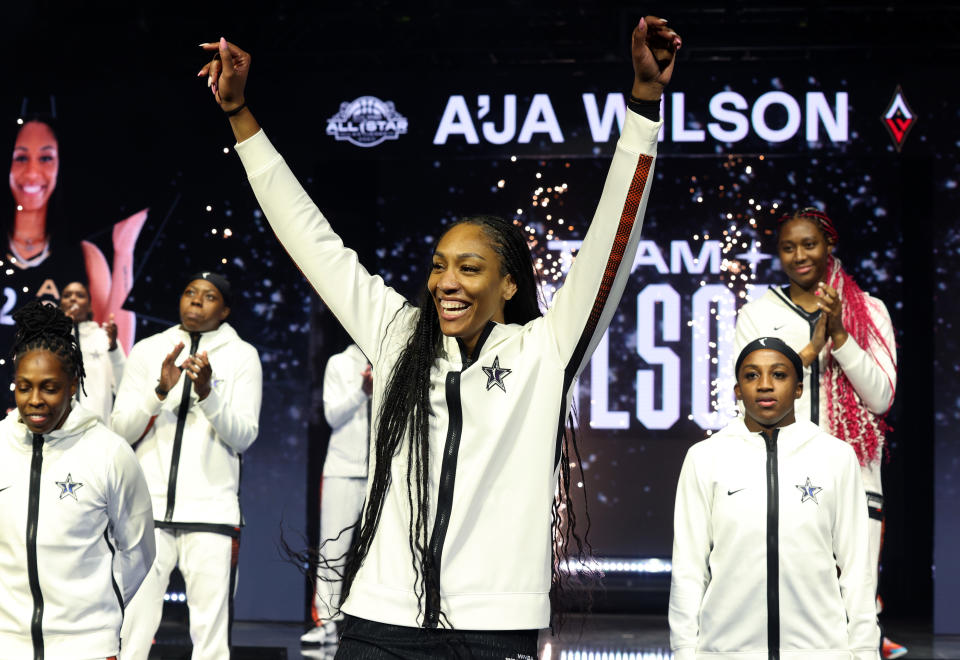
(814, 379)
(773, 549)
(33, 510)
(178, 435)
(448, 475)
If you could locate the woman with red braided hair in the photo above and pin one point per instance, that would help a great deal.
(846, 341)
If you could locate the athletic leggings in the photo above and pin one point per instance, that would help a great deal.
(368, 640)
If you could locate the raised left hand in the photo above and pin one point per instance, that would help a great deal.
(111, 329)
(197, 367)
(653, 49)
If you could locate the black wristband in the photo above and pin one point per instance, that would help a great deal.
(235, 111)
(645, 108)
(160, 391)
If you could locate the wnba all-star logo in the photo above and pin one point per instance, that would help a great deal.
(366, 122)
(898, 118)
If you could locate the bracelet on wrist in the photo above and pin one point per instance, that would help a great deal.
(645, 108)
(645, 102)
(160, 391)
(235, 111)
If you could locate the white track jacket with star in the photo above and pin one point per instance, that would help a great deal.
(75, 509)
(871, 370)
(496, 419)
(747, 509)
(202, 485)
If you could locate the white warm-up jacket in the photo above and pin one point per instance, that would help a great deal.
(75, 507)
(203, 485)
(872, 373)
(748, 508)
(347, 410)
(102, 367)
(496, 419)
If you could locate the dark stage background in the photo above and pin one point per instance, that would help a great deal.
(138, 130)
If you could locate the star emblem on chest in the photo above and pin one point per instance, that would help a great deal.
(69, 487)
(496, 374)
(809, 492)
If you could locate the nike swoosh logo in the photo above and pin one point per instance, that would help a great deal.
(4, 488)
(777, 327)
(731, 492)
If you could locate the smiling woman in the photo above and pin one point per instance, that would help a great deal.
(481, 267)
(468, 441)
(41, 257)
(58, 592)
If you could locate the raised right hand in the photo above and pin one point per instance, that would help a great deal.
(653, 48)
(226, 73)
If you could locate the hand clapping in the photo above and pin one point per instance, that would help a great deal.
(197, 367)
(831, 306)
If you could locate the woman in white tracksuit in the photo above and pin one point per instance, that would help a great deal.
(76, 516)
(103, 357)
(455, 551)
(846, 340)
(770, 557)
(347, 386)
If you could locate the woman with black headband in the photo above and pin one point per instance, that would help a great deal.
(847, 343)
(770, 557)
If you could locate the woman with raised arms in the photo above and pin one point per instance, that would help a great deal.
(454, 554)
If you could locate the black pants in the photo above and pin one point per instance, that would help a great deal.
(368, 640)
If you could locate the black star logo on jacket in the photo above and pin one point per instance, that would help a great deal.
(496, 374)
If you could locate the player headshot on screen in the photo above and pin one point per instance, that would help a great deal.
(846, 340)
(476, 390)
(769, 554)
(36, 248)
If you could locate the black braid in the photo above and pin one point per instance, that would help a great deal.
(42, 326)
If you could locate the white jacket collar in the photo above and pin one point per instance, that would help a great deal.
(789, 439)
(208, 340)
(79, 420)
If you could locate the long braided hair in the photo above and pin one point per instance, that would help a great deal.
(404, 420)
(43, 326)
(847, 417)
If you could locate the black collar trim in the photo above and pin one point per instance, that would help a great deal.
(481, 340)
(784, 294)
